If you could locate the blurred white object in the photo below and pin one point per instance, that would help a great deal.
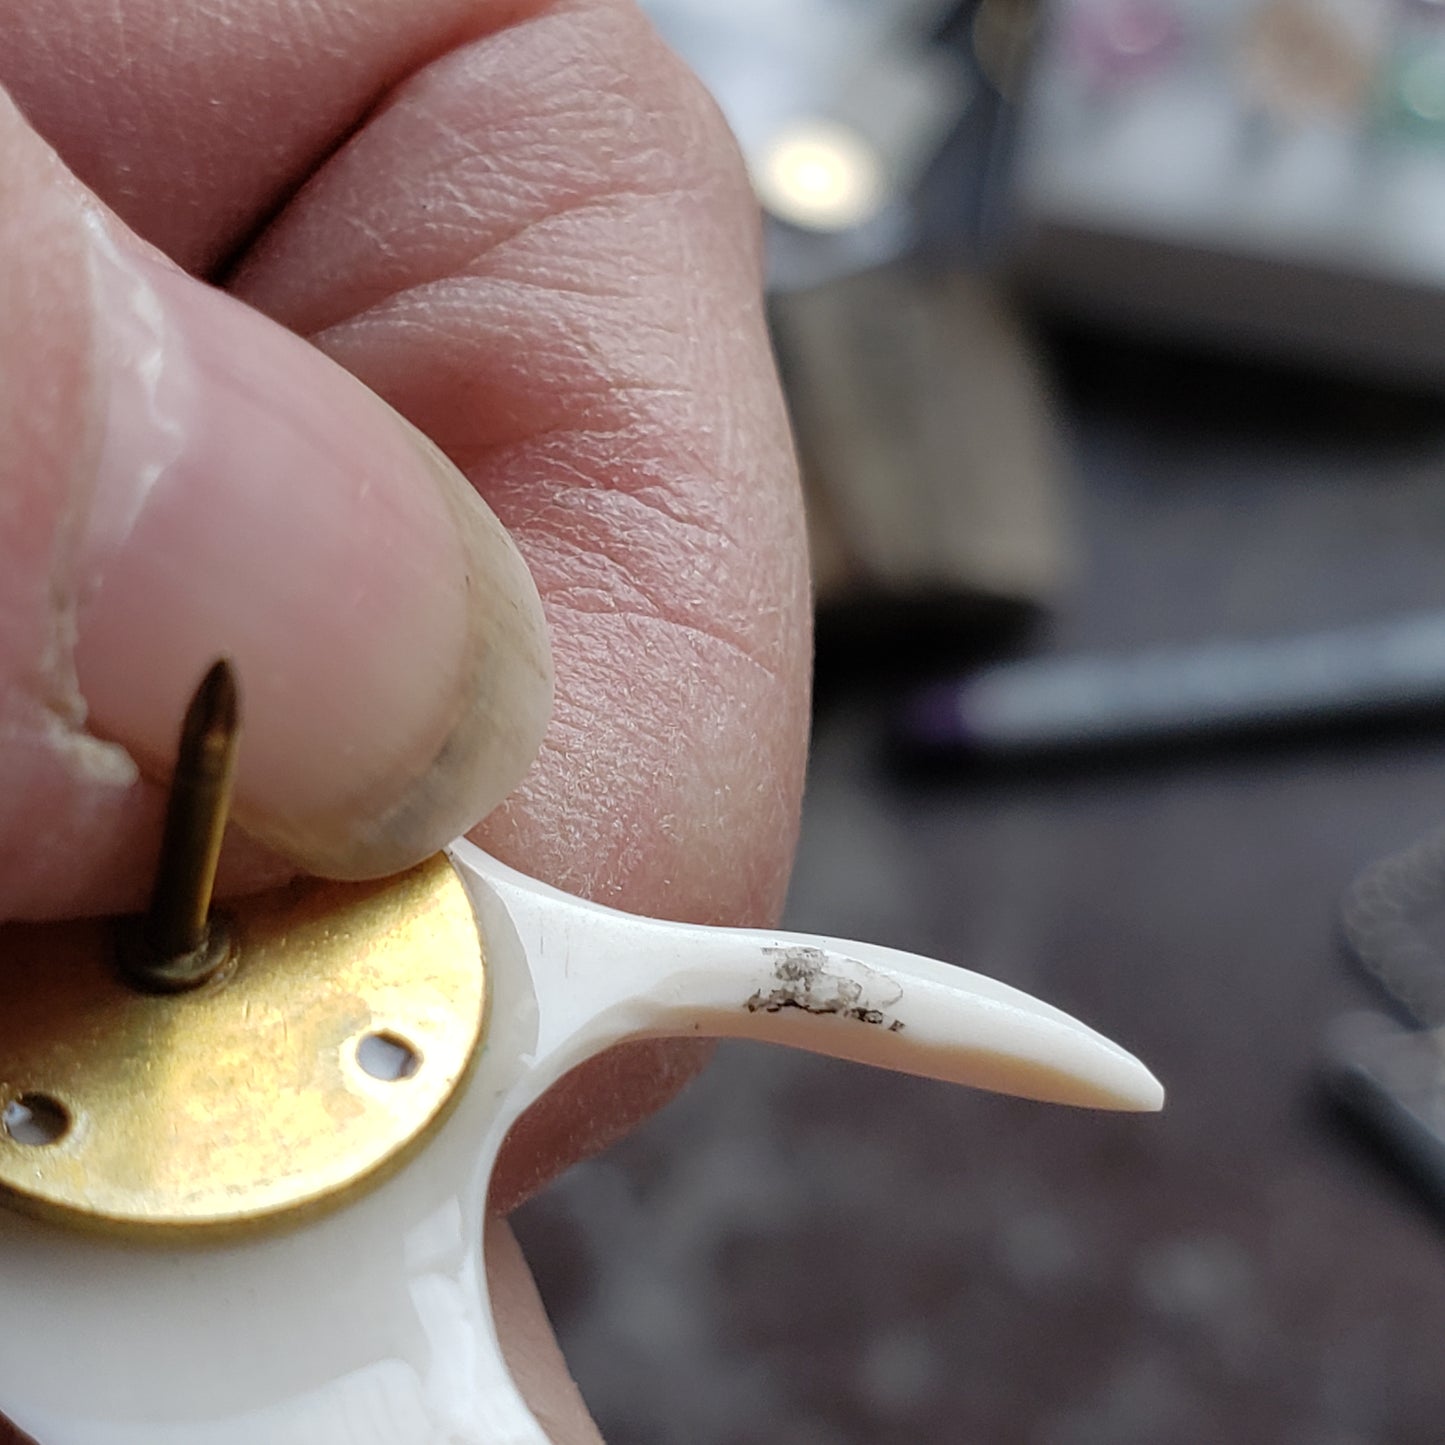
(838, 105)
(820, 176)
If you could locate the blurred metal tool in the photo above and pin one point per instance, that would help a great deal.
(1388, 1072)
(1390, 1079)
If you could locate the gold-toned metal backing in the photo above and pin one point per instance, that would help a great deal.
(330, 1047)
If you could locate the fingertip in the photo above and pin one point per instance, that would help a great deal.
(254, 500)
(183, 478)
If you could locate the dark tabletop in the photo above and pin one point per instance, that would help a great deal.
(801, 1251)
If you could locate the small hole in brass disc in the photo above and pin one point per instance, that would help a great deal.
(387, 1057)
(36, 1120)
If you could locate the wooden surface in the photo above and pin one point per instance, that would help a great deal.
(801, 1251)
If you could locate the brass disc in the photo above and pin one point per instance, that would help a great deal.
(328, 1047)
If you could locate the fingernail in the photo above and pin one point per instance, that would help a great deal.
(254, 500)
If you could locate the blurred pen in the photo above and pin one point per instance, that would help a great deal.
(1168, 694)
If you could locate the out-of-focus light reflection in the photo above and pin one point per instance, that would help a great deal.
(820, 176)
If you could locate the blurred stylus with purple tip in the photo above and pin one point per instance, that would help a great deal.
(1386, 670)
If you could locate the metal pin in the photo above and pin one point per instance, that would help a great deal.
(177, 945)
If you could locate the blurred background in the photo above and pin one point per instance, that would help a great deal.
(1114, 332)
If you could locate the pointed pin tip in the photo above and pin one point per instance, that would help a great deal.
(176, 933)
(216, 705)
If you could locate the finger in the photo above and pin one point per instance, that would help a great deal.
(685, 584)
(595, 1105)
(537, 246)
(528, 1344)
(184, 479)
(196, 122)
(633, 436)
(566, 294)
(564, 291)
(9, 1435)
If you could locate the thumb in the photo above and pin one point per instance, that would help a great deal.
(181, 478)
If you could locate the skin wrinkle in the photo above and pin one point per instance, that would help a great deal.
(632, 523)
(560, 360)
(225, 193)
(538, 134)
(396, 264)
(609, 342)
(591, 500)
(620, 399)
(552, 216)
(561, 463)
(640, 624)
(625, 585)
(559, 285)
(555, 265)
(528, 405)
(709, 834)
(591, 672)
(568, 598)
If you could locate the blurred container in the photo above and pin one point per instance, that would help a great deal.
(1266, 174)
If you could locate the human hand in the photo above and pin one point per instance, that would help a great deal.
(525, 228)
